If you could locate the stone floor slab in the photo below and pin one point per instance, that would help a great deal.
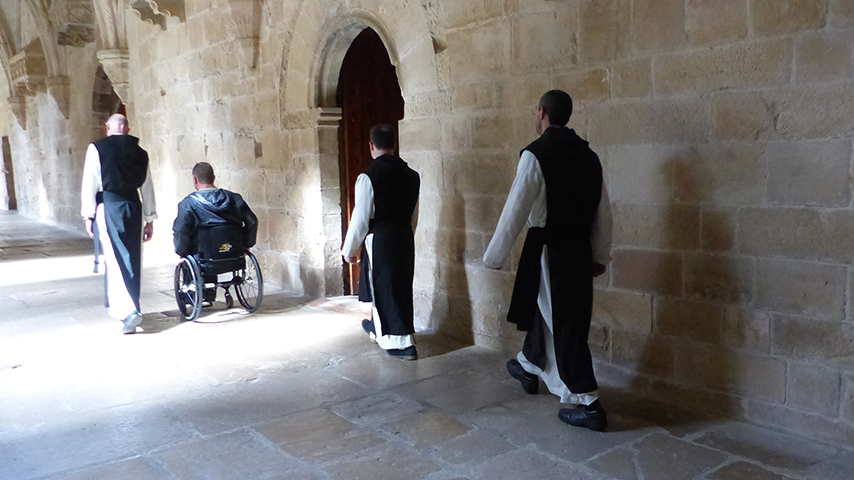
(744, 471)
(667, 457)
(470, 398)
(618, 464)
(523, 464)
(384, 463)
(138, 468)
(472, 448)
(378, 409)
(426, 428)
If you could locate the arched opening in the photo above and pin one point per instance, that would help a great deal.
(105, 102)
(368, 93)
(11, 199)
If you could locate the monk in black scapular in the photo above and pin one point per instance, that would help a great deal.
(383, 224)
(210, 206)
(117, 185)
(560, 192)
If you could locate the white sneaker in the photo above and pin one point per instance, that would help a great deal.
(131, 322)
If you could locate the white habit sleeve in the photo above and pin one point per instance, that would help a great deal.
(602, 228)
(523, 193)
(91, 182)
(149, 206)
(361, 218)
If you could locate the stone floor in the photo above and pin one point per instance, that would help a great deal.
(297, 391)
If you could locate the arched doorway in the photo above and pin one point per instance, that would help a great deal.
(368, 93)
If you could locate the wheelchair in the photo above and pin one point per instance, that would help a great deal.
(220, 252)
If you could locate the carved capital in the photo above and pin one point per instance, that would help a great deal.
(29, 69)
(60, 89)
(19, 108)
(74, 21)
(115, 63)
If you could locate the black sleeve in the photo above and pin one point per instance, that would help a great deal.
(183, 228)
(250, 222)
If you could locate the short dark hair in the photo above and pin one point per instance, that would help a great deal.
(203, 171)
(383, 136)
(558, 106)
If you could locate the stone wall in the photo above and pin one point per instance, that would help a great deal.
(724, 127)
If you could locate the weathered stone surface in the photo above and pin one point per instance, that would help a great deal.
(798, 233)
(812, 112)
(715, 21)
(697, 322)
(823, 57)
(618, 464)
(545, 40)
(801, 288)
(138, 468)
(810, 339)
(740, 373)
(841, 14)
(528, 465)
(625, 310)
(674, 121)
(744, 471)
(809, 173)
(641, 174)
(631, 78)
(814, 388)
(747, 329)
(585, 85)
(848, 397)
(720, 175)
(742, 117)
(802, 423)
(753, 65)
(475, 447)
(669, 226)
(647, 271)
(643, 353)
(603, 30)
(427, 428)
(684, 461)
(658, 25)
(478, 54)
(716, 277)
(388, 463)
(784, 16)
(837, 468)
(717, 229)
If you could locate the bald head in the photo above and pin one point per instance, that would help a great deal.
(117, 124)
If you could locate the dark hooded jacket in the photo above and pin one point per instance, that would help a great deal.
(208, 208)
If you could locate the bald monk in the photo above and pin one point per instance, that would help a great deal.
(117, 185)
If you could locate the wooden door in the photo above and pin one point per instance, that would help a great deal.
(368, 94)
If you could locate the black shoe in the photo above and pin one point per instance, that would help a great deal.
(368, 327)
(530, 383)
(408, 353)
(209, 295)
(587, 416)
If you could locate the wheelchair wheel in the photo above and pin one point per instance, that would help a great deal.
(250, 289)
(188, 288)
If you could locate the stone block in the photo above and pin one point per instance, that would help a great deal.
(742, 117)
(720, 278)
(814, 388)
(841, 14)
(544, 40)
(813, 112)
(662, 456)
(583, 85)
(682, 121)
(640, 174)
(624, 310)
(643, 353)
(809, 173)
(721, 175)
(604, 28)
(717, 229)
(420, 134)
(631, 78)
(801, 288)
(524, 92)
(774, 17)
(809, 339)
(742, 66)
(479, 54)
(456, 14)
(715, 21)
(490, 132)
(821, 57)
(647, 271)
(802, 424)
(485, 175)
(692, 321)
(471, 448)
(848, 397)
(747, 329)
(799, 233)
(657, 25)
(744, 471)
(476, 96)
(668, 226)
(756, 376)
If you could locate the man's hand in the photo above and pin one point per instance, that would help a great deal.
(598, 269)
(88, 224)
(148, 231)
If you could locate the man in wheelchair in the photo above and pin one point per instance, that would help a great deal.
(209, 207)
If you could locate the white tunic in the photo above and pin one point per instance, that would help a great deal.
(357, 232)
(121, 304)
(527, 201)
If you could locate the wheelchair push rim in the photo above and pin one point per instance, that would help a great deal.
(188, 288)
(250, 288)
